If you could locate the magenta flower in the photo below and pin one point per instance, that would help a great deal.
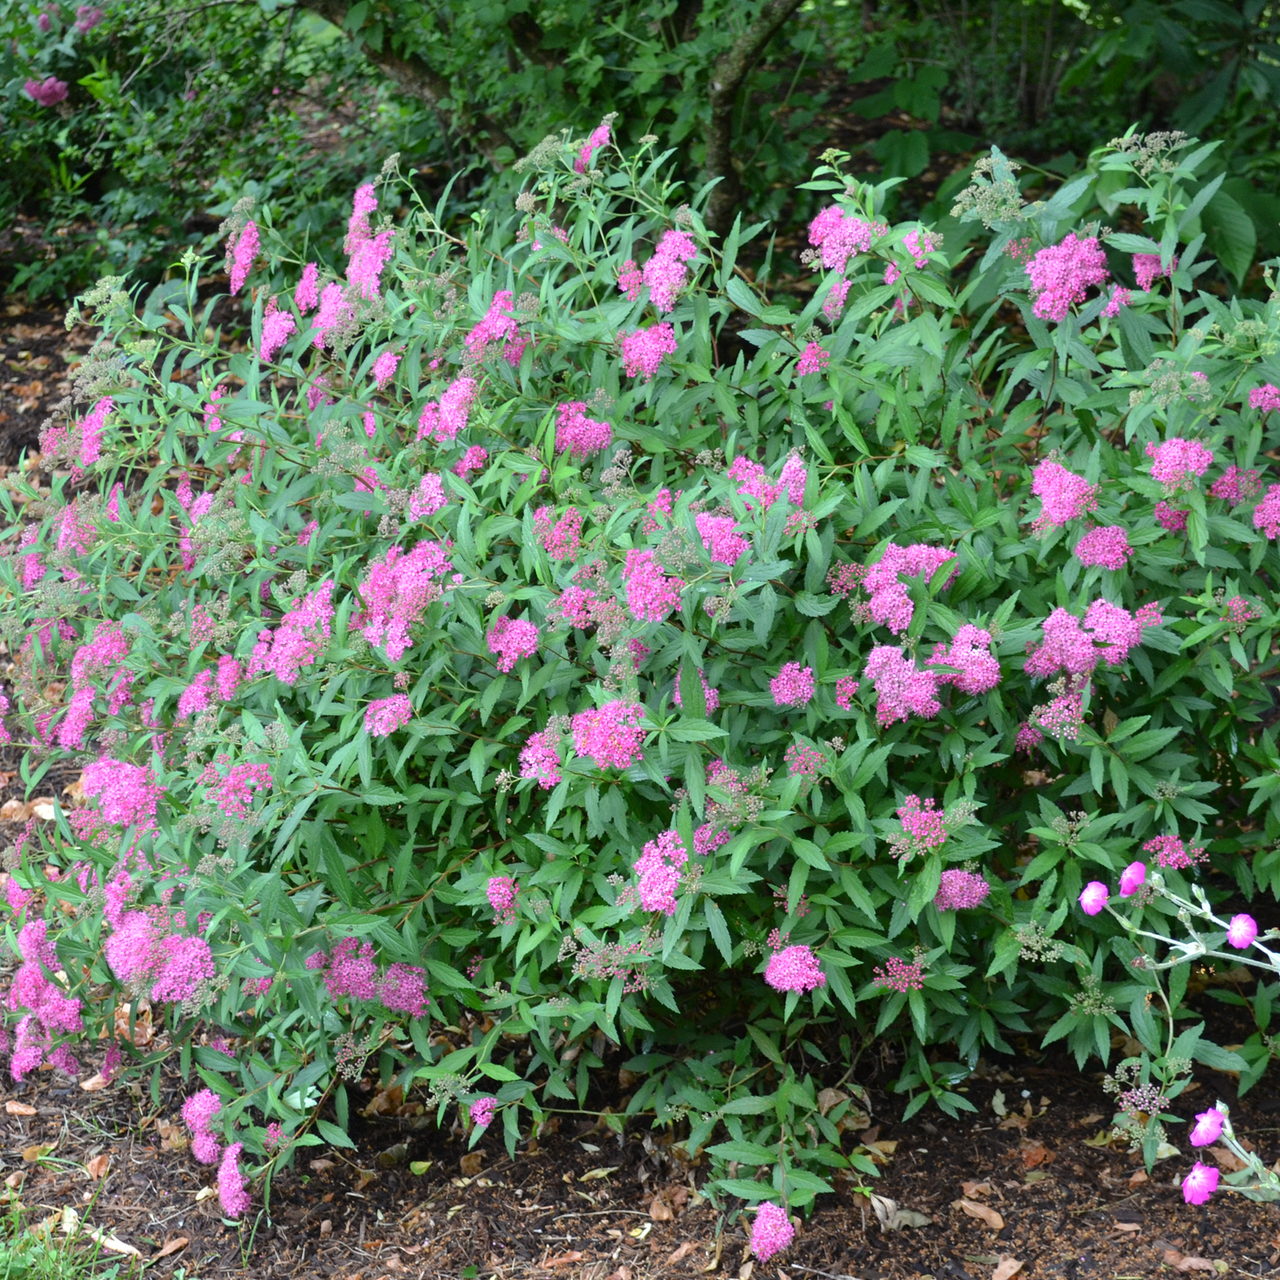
(306, 296)
(794, 969)
(1094, 897)
(1207, 1128)
(242, 249)
(1107, 546)
(235, 1200)
(1266, 515)
(385, 715)
(813, 359)
(1265, 397)
(959, 890)
(501, 892)
(481, 1111)
(771, 1232)
(384, 367)
(792, 686)
(511, 639)
(277, 327)
(48, 92)
(1061, 273)
(1132, 879)
(1200, 1184)
(643, 349)
(1241, 932)
(599, 137)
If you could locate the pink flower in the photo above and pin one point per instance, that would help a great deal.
(1200, 1184)
(1094, 897)
(651, 595)
(334, 309)
(385, 715)
(512, 639)
(277, 326)
(235, 1200)
(846, 687)
(91, 428)
(1171, 519)
(397, 591)
(1061, 273)
(230, 674)
(384, 367)
(242, 249)
(836, 296)
(1147, 268)
(428, 498)
(540, 759)
(1171, 852)
(1266, 515)
(659, 870)
(481, 1111)
(710, 696)
(599, 137)
(403, 989)
(501, 892)
(899, 975)
(722, 538)
(1178, 463)
(299, 639)
(1063, 495)
(901, 689)
(643, 349)
(1241, 931)
(813, 359)
(1207, 1128)
(580, 435)
(1119, 298)
(442, 420)
(665, 272)
(839, 235)
(923, 823)
(48, 92)
(1235, 486)
(960, 890)
(1265, 397)
(610, 736)
(771, 1232)
(1107, 546)
(306, 297)
(1132, 879)
(792, 686)
(186, 967)
(87, 17)
(794, 969)
(364, 269)
(561, 538)
(970, 652)
(472, 461)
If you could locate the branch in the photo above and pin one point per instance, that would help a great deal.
(727, 77)
(419, 79)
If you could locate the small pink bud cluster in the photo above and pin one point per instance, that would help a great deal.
(1147, 269)
(813, 359)
(540, 759)
(900, 975)
(651, 594)
(242, 249)
(755, 486)
(1266, 397)
(846, 687)
(231, 1191)
(960, 890)
(659, 870)
(792, 686)
(771, 1232)
(977, 670)
(428, 498)
(511, 639)
(397, 592)
(277, 328)
(480, 1113)
(1171, 852)
(1236, 486)
(1108, 633)
(1107, 547)
(839, 235)
(579, 435)
(561, 539)
(299, 639)
(803, 761)
(441, 420)
(1170, 518)
(794, 969)
(902, 690)
(598, 137)
(384, 367)
(923, 823)
(722, 537)
(351, 971)
(1238, 613)
(889, 601)
(199, 1112)
(1266, 515)
(472, 461)
(1061, 273)
(1178, 464)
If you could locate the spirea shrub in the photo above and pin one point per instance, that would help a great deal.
(516, 661)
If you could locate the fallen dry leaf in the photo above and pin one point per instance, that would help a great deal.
(622, 1273)
(660, 1210)
(603, 1172)
(31, 1154)
(828, 1098)
(365, 1177)
(326, 1229)
(972, 1189)
(1034, 1153)
(43, 808)
(13, 811)
(1172, 1258)
(94, 1083)
(470, 1163)
(1093, 1118)
(20, 1108)
(98, 1166)
(893, 1218)
(998, 1104)
(680, 1254)
(564, 1259)
(170, 1247)
(983, 1213)
(1008, 1267)
(1127, 1228)
(1227, 1160)
(1013, 1122)
(321, 1166)
(1137, 1177)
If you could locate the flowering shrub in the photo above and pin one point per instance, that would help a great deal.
(582, 686)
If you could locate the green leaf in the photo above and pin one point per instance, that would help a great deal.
(743, 1152)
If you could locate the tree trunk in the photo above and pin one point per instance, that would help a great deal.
(727, 77)
(417, 77)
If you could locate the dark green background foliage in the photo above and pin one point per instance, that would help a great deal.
(177, 110)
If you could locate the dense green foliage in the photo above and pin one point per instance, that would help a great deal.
(316, 521)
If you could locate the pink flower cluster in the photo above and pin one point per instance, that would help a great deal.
(643, 350)
(1061, 273)
(599, 137)
(277, 328)
(665, 272)
(540, 760)
(480, 1113)
(611, 735)
(900, 975)
(659, 870)
(794, 969)
(889, 602)
(651, 594)
(472, 461)
(299, 639)
(231, 1192)
(1171, 519)
(1236, 486)
(792, 686)
(501, 892)
(428, 498)
(901, 689)
(199, 1112)
(960, 890)
(580, 435)
(1178, 464)
(1064, 496)
(242, 249)
(813, 359)
(923, 823)
(1107, 634)
(367, 254)
(350, 970)
(1266, 515)
(497, 325)
(511, 639)
(397, 592)
(722, 537)
(1147, 269)
(47, 92)
(50, 1011)
(977, 670)
(1171, 852)
(1266, 397)
(846, 687)
(561, 538)
(443, 419)
(384, 716)
(1106, 546)
(710, 696)
(839, 235)
(771, 1232)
